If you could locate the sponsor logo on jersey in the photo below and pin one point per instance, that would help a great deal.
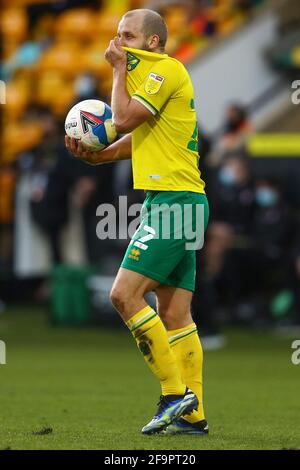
(154, 83)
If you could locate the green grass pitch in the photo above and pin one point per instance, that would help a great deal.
(66, 388)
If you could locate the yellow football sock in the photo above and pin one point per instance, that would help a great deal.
(187, 348)
(152, 340)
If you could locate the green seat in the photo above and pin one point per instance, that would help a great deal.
(70, 298)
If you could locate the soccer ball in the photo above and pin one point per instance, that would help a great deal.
(91, 122)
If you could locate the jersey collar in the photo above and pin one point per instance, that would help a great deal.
(148, 54)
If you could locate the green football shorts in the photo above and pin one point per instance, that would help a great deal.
(172, 228)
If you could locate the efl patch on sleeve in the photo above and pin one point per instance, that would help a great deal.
(153, 83)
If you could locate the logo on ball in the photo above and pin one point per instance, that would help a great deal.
(88, 119)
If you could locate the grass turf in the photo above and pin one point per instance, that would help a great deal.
(89, 389)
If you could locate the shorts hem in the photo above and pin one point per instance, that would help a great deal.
(157, 277)
(181, 286)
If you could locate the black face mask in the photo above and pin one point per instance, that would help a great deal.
(232, 126)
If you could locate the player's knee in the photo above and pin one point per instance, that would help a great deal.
(117, 298)
(121, 298)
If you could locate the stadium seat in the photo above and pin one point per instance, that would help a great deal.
(56, 91)
(95, 62)
(63, 101)
(17, 99)
(225, 16)
(118, 7)
(9, 47)
(14, 24)
(18, 137)
(64, 57)
(107, 25)
(176, 19)
(229, 24)
(76, 23)
(50, 85)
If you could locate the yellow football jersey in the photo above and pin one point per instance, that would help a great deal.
(165, 147)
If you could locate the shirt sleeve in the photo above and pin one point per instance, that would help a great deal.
(161, 83)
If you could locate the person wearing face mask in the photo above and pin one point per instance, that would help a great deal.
(295, 274)
(227, 176)
(233, 195)
(236, 129)
(271, 227)
(266, 196)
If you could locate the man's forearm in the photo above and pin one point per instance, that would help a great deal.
(120, 99)
(128, 114)
(119, 150)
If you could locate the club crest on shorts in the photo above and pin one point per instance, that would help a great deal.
(154, 83)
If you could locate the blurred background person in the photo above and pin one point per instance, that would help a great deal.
(237, 128)
(295, 275)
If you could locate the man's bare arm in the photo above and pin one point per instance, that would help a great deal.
(128, 114)
(119, 150)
